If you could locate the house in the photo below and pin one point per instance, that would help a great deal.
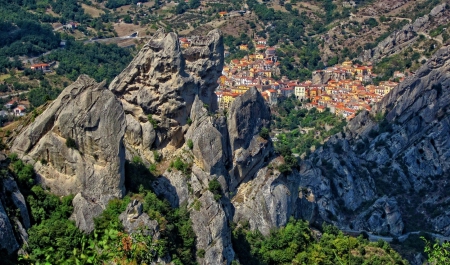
(260, 47)
(287, 91)
(243, 47)
(223, 13)
(40, 67)
(11, 103)
(19, 110)
(71, 25)
(139, 4)
(185, 43)
(270, 52)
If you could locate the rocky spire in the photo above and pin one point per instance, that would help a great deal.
(159, 86)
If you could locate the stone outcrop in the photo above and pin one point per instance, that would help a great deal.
(158, 89)
(404, 157)
(407, 35)
(135, 220)
(76, 146)
(91, 118)
(249, 151)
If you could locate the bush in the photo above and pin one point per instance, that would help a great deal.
(179, 165)
(190, 144)
(70, 143)
(284, 169)
(215, 187)
(201, 253)
(152, 121)
(264, 133)
(156, 156)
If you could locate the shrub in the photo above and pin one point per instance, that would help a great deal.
(201, 253)
(190, 144)
(264, 133)
(152, 121)
(156, 156)
(197, 205)
(152, 168)
(283, 168)
(70, 143)
(179, 165)
(215, 187)
(137, 160)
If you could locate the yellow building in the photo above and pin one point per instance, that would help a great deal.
(243, 47)
(259, 56)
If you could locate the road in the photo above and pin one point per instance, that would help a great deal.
(92, 40)
(14, 94)
(401, 238)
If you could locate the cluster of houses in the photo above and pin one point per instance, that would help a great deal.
(13, 108)
(341, 88)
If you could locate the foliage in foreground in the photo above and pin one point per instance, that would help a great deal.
(295, 244)
(54, 239)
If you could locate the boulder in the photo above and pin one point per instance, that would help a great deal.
(134, 220)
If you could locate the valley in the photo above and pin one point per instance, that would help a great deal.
(232, 132)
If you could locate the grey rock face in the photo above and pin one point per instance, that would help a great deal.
(10, 187)
(163, 81)
(406, 36)
(392, 44)
(247, 115)
(7, 239)
(90, 115)
(405, 158)
(134, 220)
(383, 217)
(85, 209)
(266, 201)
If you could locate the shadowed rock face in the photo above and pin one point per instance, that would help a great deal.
(386, 178)
(163, 81)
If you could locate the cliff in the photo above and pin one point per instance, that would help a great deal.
(386, 174)
(407, 35)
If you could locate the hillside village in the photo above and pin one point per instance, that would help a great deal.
(343, 89)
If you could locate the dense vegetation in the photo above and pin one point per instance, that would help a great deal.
(99, 61)
(26, 37)
(54, 238)
(297, 244)
(300, 129)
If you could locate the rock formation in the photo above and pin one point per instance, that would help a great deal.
(134, 220)
(407, 35)
(159, 86)
(391, 174)
(12, 228)
(376, 176)
(76, 145)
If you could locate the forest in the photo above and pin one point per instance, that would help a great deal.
(300, 129)
(99, 61)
